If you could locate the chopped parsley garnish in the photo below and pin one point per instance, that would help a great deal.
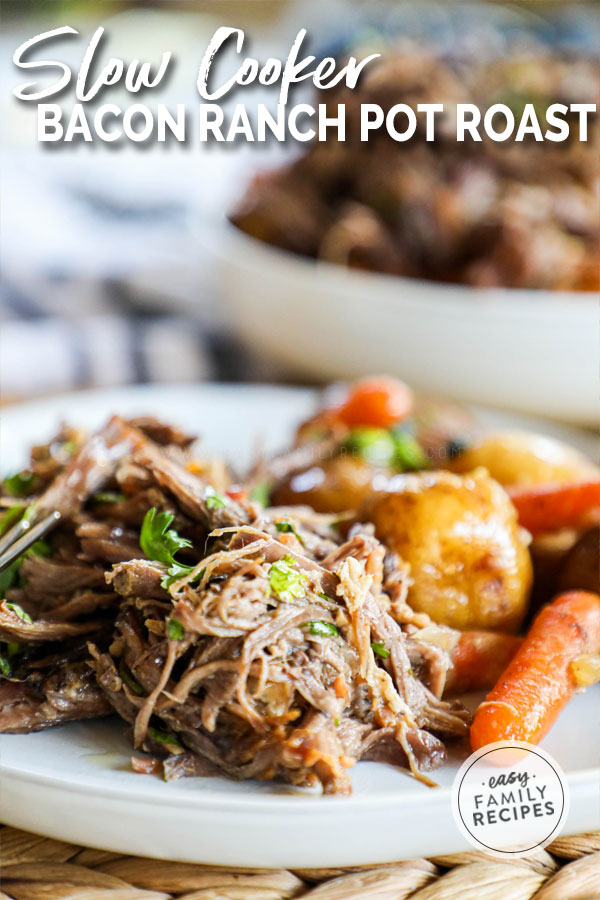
(213, 500)
(409, 455)
(107, 497)
(69, 447)
(5, 668)
(163, 737)
(157, 540)
(129, 680)
(20, 612)
(379, 648)
(175, 630)
(323, 628)
(375, 445)
(161, 543)
(284, 527)
(288, 528)
(176, 573)
(286, 581)
(260, 493)
(380, 447)
(336, 722)
(8, 576)
(19, 485)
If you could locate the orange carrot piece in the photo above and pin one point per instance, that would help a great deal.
(551, 507)
(478, 660)
(340, 687)
(379, 401)
(539, 682)
(237, 493)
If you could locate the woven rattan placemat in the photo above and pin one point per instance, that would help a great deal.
(37, 868)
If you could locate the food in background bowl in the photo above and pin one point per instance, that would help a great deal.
(522, 215)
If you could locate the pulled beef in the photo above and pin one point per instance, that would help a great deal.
(47, 579)
(255, 657)
(162, 433)
(190, 492)
(57, 594)
(92, 466)
(14, 628)
(107, 543)
(69, 693)
(138, 578)
(247, 685)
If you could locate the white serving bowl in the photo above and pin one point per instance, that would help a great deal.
(533, 351)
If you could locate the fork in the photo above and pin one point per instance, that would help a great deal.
(24, 534)
(87, 471)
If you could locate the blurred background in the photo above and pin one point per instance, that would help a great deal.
(107, 276)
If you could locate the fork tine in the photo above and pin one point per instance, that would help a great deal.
(14, 533)
(25, 535)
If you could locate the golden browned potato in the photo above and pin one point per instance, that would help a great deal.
(521, 458)
(469, 559)
(335, 485)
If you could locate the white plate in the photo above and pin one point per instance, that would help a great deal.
(536, 351)
(74, 782)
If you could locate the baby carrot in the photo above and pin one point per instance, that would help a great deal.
(539, 681)
(551, 507)
(378, 401)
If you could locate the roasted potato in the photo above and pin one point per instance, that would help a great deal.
(335, 485)
(521, 458)
(469, 559)
(365, 433)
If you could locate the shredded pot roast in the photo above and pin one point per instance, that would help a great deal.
(257, 642)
